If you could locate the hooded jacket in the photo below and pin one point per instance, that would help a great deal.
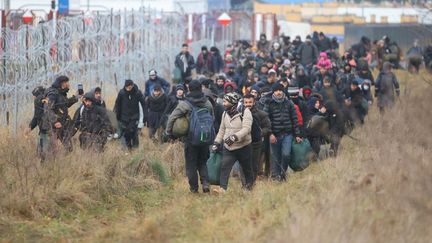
(59, 103)
(154, 109)
(93, 119)
(101, 102)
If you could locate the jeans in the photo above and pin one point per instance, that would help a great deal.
(280, 155)
(243, 156)
(196, 163)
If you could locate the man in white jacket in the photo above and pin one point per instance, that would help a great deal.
(235, 137)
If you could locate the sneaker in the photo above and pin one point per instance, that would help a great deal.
(219, 190)
(193, 190)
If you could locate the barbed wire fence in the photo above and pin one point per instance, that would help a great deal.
(98, 49)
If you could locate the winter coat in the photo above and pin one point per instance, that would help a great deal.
(283, 117)
(324, 44)
(385, 88)
(150, 84)
(154, 109)
(308, 54)
(204, 63)
(186, 72)
(59, 104)
(218, 63)
(92, 120)
(240, 125)
(127, 105)
(263, 119)
(38, 114)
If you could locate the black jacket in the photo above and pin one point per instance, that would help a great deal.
(127, 105)
(264, 121)
(59, 104)
(38, 113)
(283, 117)
(179, 64)
(154, 109)
(92, 120)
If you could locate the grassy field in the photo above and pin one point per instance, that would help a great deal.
(378, 190)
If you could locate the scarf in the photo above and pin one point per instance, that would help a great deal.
(183, 58)
(232, 111)
(279, 100)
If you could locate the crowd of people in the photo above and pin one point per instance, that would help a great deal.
(249, 103)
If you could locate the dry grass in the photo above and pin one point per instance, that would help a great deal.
(378, 190)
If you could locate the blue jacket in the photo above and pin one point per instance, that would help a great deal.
(150, 84)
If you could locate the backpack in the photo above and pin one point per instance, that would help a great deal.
(255, 128)
(201, 126)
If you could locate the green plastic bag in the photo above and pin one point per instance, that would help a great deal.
(177, 75)
(300, 155)
(214, 165)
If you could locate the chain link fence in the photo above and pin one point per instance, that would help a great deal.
(97, 49)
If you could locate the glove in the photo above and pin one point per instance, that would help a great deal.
(231, 140)
(214, 148)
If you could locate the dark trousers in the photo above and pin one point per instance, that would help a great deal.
(243, 156)
(264, 161)
(196, 163)
(95, 142)
(256, 158)
(130, 134)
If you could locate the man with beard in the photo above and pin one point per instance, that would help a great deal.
(235, 138)
(263, 121)
(93, 123)
(284, 127)
(57, 113)
(127, 111)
